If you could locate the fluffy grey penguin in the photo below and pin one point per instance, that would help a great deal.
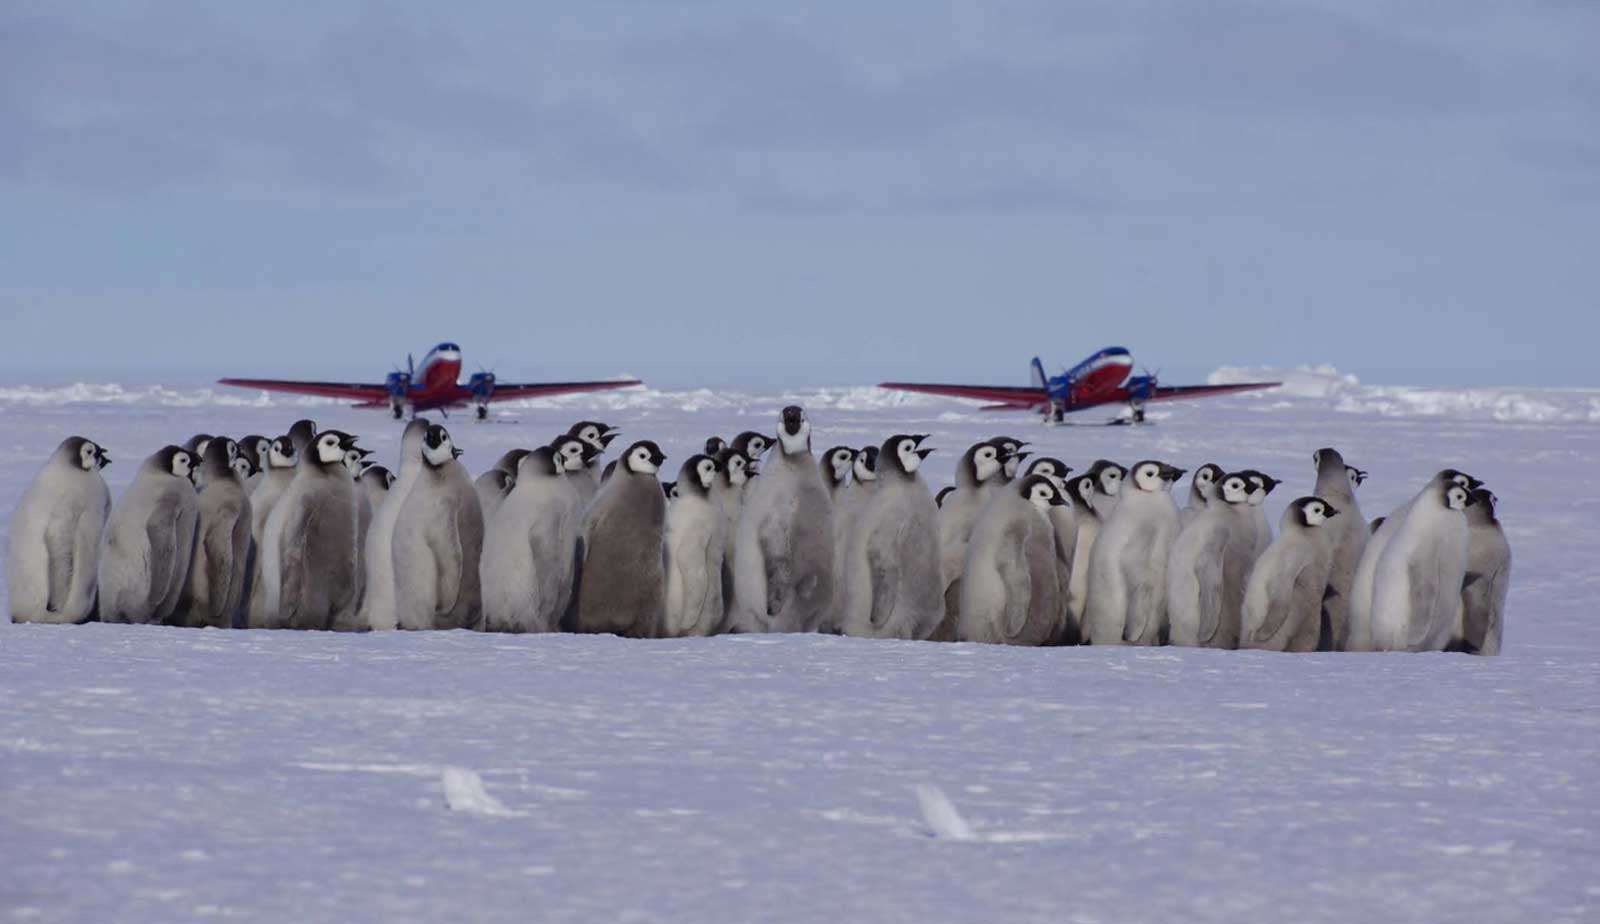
(1208, 568)
(1360, 636)
(53, 550)
(1013, 454)
(621, 577)
(847, 506)
(378, 586)
(783, 574)
(301, 433)
(732, 476)
(144, 556)
(1011, 590)
(438, 543)
(694, 546)
(256, 448)
(1202, 487)
(530, 547)
(244, 467)
(1483, 592)
(754, 445)
(492, 487)
(1263, 484)
(891, 572)
(196, 445)
(1064, 518)
(1284, 599)
(980, 474)
(308, 549)
(1128, 566)
(836, 465)
(509, 461)
(1094, 496)
(1416, 587)
(372, 488)
(715, 445)
(282, 459)
(597, 436)
(219, 566)
(1346, 538)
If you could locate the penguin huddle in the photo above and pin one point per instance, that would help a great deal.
(755, 534)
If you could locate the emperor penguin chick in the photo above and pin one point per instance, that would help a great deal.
(733, 473)
(528, 552)
(219, 566)
(438, 542)
(1128, 566)
(257, 449)
(621, 577)
(694, 548)
(308, 555)
(1284, 599)
(847, 506)
(492, 487)
(1483, 591)
(53, 550)
(836, 465)
(1011, 589)
(1416, 588)
(980, 474)
(1262, 484)
(1202, 488)
(783, 574)
(1345, 537)
(1209, 567)
(144, 557)
(282, 459)
(891, 565)
(1093, 496)
(1064, 517)
(597, 436)
(377, 552)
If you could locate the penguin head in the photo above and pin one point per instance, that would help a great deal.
(669, 489)
(438, 449)
(352, 462)
(983, 461)
(697, 475)
(734, 466)
(938, 499)
(1108, 477)
(836, 464)
(1053, 469)
(218, 457)
(197, 444)
(378, 477)
(1261, 484)
(1012, 454)
(83, 453)
(1312, 511)
(1356, 476)
(571, 452)
(508, 463)
(594, 433)
(256, 447)
(282, 453)
(752, 444)
(301, 433)
(1327, 456)
(331, 447)
(1235, 488)
(715, 445)
(244, 467)
(1151, 475)
(544, 462)
(1457, 496)
(794, 430)
(903, 454)
(1483, 505)
(1041, 492)
(1205, 479)
(1460, 478)
(177, 462)
(865, 467)
(644, 458)
(1084, 487)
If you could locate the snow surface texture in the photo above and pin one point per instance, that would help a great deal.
(157, 774)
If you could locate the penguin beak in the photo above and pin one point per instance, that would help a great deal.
(1056, 500)
(1270, 482)
(919, 437)
(104, 460)
(1173, 473)
(608, 434)
(363, 453)
(456, 452)
(924, 453)
(1019, 456)
(657, 458)
(1329, 511)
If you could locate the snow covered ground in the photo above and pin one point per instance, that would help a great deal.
(153, 774)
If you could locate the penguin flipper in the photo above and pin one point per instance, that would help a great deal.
(1420, 603)
(1011, 561)
(161, 532)
(60, 553)
(446, 547)
(883, 564)
(217, 544)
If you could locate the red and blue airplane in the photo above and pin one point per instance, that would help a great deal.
(434, 385)
(1104, 378)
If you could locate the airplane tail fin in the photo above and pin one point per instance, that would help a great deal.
(1039, 378)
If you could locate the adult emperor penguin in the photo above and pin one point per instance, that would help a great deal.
(282, 459)
(836, 465)
(1416, 588)
(1360, 637)
(144, 557)
(378, 587)
(1202, 487)
(783, 574)
(1488, 578)
(891, 573)
(1064, 518)
(438, 543)
(1346, 538)
(693, 546)
(529, 547)
(1262, 484)
(308, 550)
(1209, 567)
(219, 566)
(621, 578)
(492, 487)
(1128, 566)
(1284, 599)
(53, 550)
(1011, 589)
(980, 474)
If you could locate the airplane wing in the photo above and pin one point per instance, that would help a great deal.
(355, 391)
(506, 391)
(1172, 392)
(1002, 397)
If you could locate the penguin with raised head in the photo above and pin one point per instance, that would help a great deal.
(1262, 484)
(693, 545)
(836, 465)
(1064, 518)
(144, 555)
(1283, 601)
(308, 553)
(301, 433)
(1012, 447)
(597, 436)
(754, 445)
(783, 574)
(438, 543)
(1128, 566)
(530, 547)
(1360, 637)
(891, 573)
(1011, 585)
(282, 459)
(1345, 537)
(53, 550)
(219, 566)
(980, 474)
(1416, 587)
(1209, 565)
(1202, 487)
(1488, 579)
(621, 577)
(377, 552)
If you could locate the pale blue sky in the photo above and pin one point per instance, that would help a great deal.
(744, 193)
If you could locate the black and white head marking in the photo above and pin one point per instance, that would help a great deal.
(1041, 492)
(438, 448)
(794, 430)
(700, 473)
(643, 458)
(1261, 483)
(1461, 478)
(1052, 468)
(735, 467)
(715, 445)
(866, 464)
(569, 451)
(282, 453)
(1151, 475)
(87, 455)
(1235, 488)
(331, 446)
(178, 462)
(1457, 496)
(906, 451)
(838, 462)
(752, 444)
(1313, 511)
(984, 461)
(1108, 476)
(594, 433)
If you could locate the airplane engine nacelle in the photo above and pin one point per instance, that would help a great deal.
(1141, 387)
(481, 385)
(396, 384)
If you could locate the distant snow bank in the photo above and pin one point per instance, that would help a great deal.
(1345, 393)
